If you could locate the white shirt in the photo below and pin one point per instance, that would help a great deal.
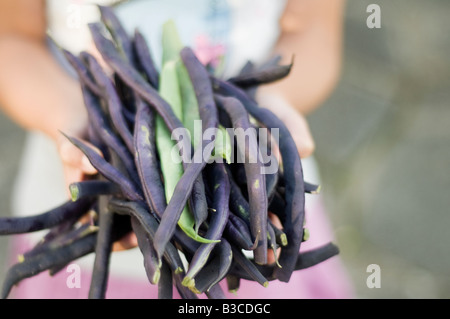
(245, 29)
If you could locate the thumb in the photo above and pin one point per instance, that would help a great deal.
(75, 164)
(295, 122)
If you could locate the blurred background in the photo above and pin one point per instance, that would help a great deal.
(383, 145)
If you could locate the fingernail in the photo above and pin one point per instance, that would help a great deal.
(64, 151)
(87, 166)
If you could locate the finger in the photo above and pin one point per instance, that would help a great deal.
(276, 221)
(129, 241)
(74, 158)
(90, 217)
(294, 121)
(300, 132)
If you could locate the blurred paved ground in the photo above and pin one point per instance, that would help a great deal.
(383, 143)
(11, 140)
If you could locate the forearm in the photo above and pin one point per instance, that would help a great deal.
(311, 32)
(34, 90)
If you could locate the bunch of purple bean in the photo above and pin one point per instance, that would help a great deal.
(229, 202)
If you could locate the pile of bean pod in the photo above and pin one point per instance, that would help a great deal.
(207, 224)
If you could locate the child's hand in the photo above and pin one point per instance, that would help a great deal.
(76, 167)
(292, 118)
(75, 164)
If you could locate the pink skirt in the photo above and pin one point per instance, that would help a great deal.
(39, 186)
(327, 280)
